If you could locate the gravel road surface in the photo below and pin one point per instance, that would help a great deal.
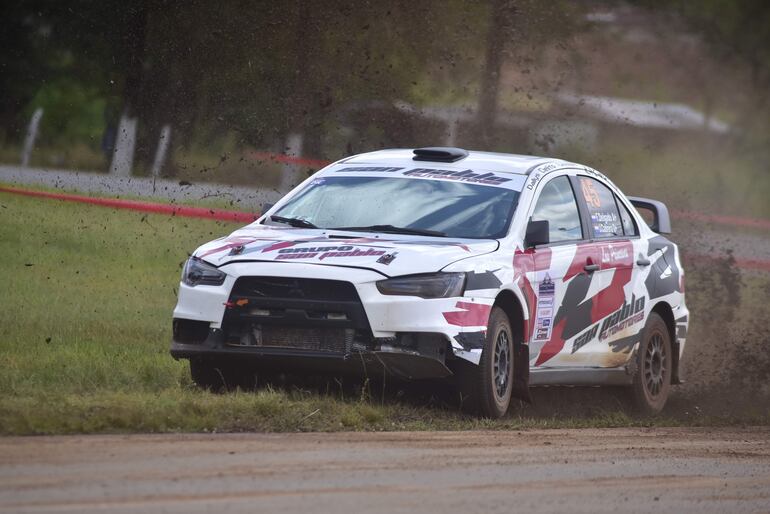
(590, 470)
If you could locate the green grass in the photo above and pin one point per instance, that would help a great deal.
(85, 324)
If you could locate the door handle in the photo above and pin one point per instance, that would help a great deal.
(643, 262)
(590, 268)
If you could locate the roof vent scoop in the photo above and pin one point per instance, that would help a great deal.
(439, 154)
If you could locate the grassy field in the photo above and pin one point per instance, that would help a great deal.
(85, 319)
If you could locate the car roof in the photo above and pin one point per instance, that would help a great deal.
(490, 161)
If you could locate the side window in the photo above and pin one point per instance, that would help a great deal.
(605, 218)
(557, 205)
(629, 228)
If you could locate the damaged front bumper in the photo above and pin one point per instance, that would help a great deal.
(325, 316)
(410, 356)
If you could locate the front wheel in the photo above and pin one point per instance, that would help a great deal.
(487, 388)
(652, 381)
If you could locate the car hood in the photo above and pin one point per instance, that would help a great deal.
(389, 254)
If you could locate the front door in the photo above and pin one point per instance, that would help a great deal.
(563, 272)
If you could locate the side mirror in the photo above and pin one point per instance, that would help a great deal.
(537, 233)
(266, 207)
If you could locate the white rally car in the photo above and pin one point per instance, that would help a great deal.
(499, 271)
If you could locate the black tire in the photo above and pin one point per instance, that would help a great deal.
(654, 361)
(486, 388)
(214, 376)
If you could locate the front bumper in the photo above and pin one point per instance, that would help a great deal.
(403, 358)
(261, 302)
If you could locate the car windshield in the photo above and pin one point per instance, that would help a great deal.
(383, 204)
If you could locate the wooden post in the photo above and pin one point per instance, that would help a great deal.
(29, 140)
(290, 172)
(123, 156)
(160, 153)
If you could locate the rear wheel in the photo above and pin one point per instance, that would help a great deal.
(652, 382)
(486, 388)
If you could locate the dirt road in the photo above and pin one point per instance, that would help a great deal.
(629, 470)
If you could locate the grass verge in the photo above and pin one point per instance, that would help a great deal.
(85, 318)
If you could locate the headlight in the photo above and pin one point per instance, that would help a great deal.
(196, 272)
(434, 285)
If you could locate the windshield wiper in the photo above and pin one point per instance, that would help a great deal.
(394, 230)
(294, 222)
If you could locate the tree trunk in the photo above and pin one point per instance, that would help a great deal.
(134, 34)
(305, 102)
(500, 29)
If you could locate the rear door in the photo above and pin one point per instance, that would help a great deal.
(617, 303)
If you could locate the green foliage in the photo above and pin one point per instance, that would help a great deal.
(72, 112)
(738, 34)
(735, 29)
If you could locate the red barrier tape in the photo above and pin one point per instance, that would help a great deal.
(722, 220)
(746, 264)
(754, 264)
(134, 205)
(238, 216)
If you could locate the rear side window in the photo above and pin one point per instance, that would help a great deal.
(557, 205)
(629, 228)
(605, 218)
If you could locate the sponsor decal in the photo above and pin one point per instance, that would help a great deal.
(246, 245)
(460, 176)
(545, 309)
(375, 169)
(595, 173)
(629, 314)
(325, 252)
(525, 263)
(539, 172)
(611, 254)
(229, 243)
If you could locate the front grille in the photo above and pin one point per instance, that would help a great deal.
(306, 314)
(336, 340)
(295, 288)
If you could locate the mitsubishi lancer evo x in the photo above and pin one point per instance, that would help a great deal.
(497, 271)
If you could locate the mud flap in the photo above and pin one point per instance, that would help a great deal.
(412, 366)
(521, 372)
(676, 376)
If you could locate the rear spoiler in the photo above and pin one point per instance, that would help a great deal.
(661, 222)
